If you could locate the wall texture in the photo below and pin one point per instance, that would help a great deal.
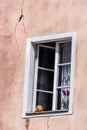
(40, 18)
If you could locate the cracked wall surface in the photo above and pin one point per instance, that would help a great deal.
(40, 18)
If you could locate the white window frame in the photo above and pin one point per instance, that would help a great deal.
(29, 71)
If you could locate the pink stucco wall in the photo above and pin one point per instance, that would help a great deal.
(40, 18)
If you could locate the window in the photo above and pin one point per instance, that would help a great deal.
(49, 75)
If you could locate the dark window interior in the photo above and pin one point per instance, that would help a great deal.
(44, 99)
(45, 80)
(65, 52)
(45, 77)
(51, 44)
(46, 58)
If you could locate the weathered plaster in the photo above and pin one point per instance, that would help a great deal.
(40, 18)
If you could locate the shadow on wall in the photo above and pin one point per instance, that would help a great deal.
(27, 124)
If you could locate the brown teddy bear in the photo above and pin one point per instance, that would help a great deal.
(39, 108)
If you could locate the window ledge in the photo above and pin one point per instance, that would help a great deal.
(46, 112)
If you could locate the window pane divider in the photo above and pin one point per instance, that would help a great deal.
(35, 78)
(44, 91)
(65, 41)
(62, 64)
(42, 68)
(56, 74)
(62, 87)
(49, 47)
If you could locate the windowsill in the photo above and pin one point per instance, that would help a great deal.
(46, 113)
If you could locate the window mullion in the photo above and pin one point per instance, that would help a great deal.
(35, 78)
(72, 73)
(56, 73)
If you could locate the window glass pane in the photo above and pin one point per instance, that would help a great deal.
(51, 44)
(45, 80)
(63, 99)
(65, 52)
(64, 75)
(46, 57)
(45, 100)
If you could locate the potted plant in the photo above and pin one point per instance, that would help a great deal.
(65, 99)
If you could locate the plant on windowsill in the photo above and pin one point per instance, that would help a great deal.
(65, 99)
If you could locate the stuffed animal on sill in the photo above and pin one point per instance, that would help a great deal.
(39, 108)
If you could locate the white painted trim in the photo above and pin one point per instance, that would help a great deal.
(59, 87)
(42, 39)
(46, 69)
(26, 81)
(44, 91)
(56, 72)
(64, 64)
(49, 47)
(72, 72)
(35, 78)
(29, 74)
(54, 37)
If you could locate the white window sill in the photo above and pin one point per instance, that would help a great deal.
(47, 114)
